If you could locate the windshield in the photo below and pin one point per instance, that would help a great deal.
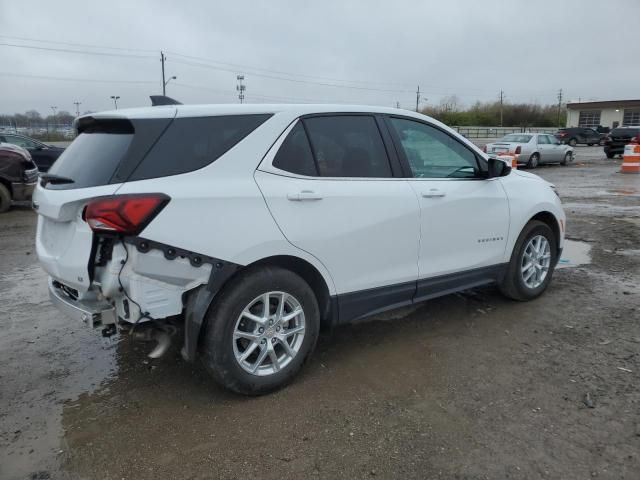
(516, 138)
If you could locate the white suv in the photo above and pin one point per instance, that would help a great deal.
(253, 225)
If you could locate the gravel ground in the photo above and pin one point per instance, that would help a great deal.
(468, 386)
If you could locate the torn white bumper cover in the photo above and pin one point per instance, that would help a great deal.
(89, 310)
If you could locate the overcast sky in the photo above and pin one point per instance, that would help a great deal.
(349, 51)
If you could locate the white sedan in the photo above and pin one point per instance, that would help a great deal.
(532, 149)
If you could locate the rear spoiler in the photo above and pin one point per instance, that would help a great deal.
(157, 100)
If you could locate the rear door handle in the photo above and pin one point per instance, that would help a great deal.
(433, 193)
(304, 196)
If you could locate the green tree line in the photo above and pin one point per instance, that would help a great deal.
(487, 114)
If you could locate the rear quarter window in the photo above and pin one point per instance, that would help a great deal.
(192, 143)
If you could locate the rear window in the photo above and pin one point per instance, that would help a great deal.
(115, 151)
(515, 138)
(625, 132)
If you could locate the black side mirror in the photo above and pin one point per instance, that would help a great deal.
(497, 168)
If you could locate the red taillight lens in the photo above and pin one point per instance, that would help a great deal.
(635, 140)
(518, 150)
(125, 214)
(561, 134)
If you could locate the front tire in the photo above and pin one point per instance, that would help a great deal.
(532, 263)
(534, 161)
(260, 331)
(568, 157)
(5, 199)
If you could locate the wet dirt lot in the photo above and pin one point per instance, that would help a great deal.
(469, 386)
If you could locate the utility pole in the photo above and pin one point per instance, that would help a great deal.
(397, 104)
(501, 103)
(240, 87)
(53, 109)
(418, 98)
(115, 100)
(559, 106)
(77, 104)
(164, 84)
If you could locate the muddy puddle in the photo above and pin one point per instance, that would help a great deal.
(575, 253)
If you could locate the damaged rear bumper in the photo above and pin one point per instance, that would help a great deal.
(90, 311)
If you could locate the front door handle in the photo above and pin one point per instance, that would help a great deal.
(433, 193)
(303, 196)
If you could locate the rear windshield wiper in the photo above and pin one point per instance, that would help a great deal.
(46, 178)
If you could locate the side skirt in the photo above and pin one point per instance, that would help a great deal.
(365, 303)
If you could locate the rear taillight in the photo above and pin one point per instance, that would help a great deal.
(518, 150)
(635, 140)
(124, 214)
(561, 134)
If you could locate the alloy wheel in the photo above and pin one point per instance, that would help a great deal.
(536, 261)
(269, 333)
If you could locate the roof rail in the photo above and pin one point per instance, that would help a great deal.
(157, 100)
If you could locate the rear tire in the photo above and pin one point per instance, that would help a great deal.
(515, 284)
(5, 199)
(610, 155)
(534, 161)
(234, 328)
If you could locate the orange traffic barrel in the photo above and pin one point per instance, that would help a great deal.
(509, 159)
(631, 158)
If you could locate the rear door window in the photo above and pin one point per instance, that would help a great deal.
(543, 140)
(348, 146)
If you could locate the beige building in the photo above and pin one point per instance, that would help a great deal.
(610, 113)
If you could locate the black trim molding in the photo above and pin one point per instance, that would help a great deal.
(355, 305)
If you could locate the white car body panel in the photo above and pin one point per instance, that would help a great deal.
(465, 228)
(365, 231)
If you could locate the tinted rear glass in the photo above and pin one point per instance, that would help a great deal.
(348, 146)
(625, 132)
(192, 143)
(295, 154)
(115, 151)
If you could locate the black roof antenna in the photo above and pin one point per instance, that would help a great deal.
(157, 100)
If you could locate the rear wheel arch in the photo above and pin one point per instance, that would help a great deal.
(309, 274)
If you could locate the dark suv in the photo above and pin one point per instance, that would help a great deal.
(575, 135)
(43, 155)
(18, 175)
(618, 138)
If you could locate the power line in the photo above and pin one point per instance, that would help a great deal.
(294, 80)
(128, 49)
(68, 79)
(84, 52)
(280, 72)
